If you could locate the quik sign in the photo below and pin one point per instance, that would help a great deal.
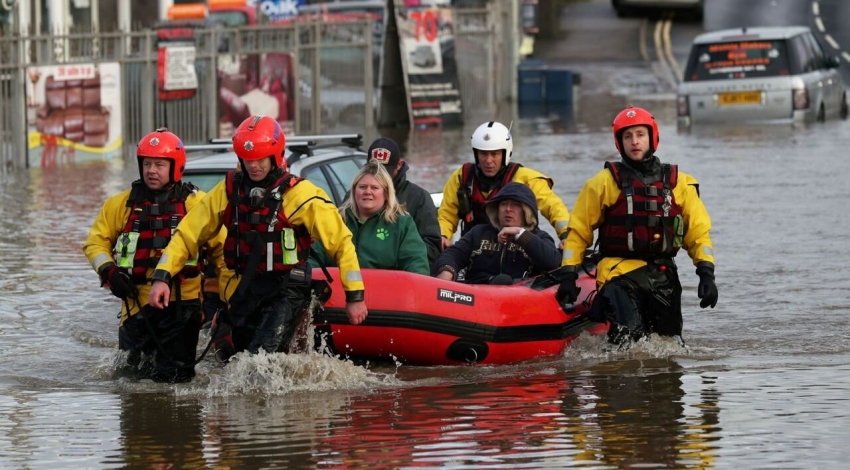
(277, 10)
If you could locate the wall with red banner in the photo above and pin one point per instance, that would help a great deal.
(176, 77)
(426, 41)
(255, 84)
(73, 113)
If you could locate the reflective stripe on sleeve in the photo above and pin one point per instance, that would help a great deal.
(269, 256)
(354, 276)
(100, 259)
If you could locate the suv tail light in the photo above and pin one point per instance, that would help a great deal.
(800, 96)
(682, 107)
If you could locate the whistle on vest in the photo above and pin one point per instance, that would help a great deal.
(257, 195)
(464, 207)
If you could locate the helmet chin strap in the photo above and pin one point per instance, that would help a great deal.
(644, 166)
(488, 182)
(160, 196)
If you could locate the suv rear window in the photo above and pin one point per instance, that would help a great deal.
(334, 177)
(733, 60)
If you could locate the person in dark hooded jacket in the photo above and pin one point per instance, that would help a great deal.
(509, 248)
(416, 200)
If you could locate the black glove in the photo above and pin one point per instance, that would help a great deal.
(568, 291)
(707, 290)
(119, 282)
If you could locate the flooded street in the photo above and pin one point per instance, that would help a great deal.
(765, 384)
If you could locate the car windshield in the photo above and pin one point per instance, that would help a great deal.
(204, 181)
(734, 60)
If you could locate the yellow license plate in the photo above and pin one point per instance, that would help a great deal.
(741, 97)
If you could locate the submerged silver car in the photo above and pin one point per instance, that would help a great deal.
(764, 75)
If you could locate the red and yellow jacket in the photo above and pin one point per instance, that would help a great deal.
(104, 236)
(304, 204)
(601, 192)
(550, 205)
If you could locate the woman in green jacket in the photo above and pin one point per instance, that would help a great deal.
(385, 236)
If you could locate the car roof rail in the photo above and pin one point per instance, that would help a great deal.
(297, 144)
(300, 149)
(212, 147)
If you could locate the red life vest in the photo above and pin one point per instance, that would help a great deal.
(645, 221)
(471, 199)
(259, 231)
(149, 229)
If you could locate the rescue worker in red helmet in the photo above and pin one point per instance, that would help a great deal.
(271, 218)
(125, 244)
(470, 187)
(645, 211)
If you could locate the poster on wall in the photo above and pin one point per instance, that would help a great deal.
(426, 41)
(73, 113)
(177, 78)
(255, 84)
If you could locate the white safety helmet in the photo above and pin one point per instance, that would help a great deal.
(493, 136)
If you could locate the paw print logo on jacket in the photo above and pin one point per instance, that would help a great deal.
(383, 233)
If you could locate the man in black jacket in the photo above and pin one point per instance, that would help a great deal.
(509, 248)
(417, 201)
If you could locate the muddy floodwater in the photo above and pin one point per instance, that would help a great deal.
(765, 382)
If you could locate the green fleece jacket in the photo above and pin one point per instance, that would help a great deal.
(381, 245)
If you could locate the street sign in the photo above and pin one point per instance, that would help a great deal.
(277, 10)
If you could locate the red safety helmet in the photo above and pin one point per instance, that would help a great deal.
(632, 116)
(163, 144)
(259, 137)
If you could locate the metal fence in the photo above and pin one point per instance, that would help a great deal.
(333, 70)
(476, 55)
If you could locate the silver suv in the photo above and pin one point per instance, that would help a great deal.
(330, 165)
(765, 74)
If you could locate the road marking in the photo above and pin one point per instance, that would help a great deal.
(827, 37)
(661, 40)
(642, 35)
(663, 50)
(832, 42)
(668, 50)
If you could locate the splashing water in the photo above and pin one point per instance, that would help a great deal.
(280, 373)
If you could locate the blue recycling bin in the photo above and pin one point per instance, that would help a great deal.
(558, 85)
(531, 81)
(539, 83)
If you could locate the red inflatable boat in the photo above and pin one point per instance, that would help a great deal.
(423, 320)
